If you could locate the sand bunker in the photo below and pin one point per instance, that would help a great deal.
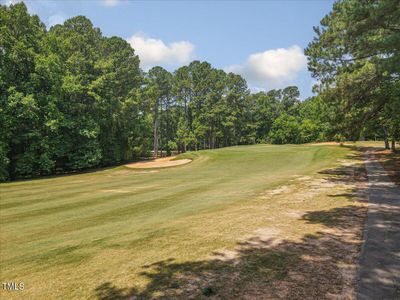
(325, 144)
(158, 163)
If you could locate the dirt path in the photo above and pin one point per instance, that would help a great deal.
(379, 271)
(158, 163)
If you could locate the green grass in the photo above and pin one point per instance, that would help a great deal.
(65, 236)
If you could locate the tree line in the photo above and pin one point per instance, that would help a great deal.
(355, 56)
(71, 98)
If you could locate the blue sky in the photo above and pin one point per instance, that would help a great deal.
(262, 40)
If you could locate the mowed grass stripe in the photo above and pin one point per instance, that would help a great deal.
(124, 207)
(61, 190)
(96, 201)
(55, 195)
(90, 200)
(33, 192)
(71, 221)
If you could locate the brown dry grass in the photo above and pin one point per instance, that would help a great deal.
(298, 253)
(321, 265)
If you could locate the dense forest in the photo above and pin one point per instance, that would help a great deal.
(71, 98)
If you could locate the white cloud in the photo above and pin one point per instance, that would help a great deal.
(154, 52)
(12, 2)
(110, 2)
(55, 19)
(272, 68)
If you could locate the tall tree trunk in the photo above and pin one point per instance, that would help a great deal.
(212, 136)
(12, 164)
(155, 138)
(393, 145)
(160, 142)
(386, 138)
(210, 141)
(387, 144)
(156, 127)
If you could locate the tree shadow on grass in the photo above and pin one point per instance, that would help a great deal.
(318, 266)
(311, 268)
(379, 265)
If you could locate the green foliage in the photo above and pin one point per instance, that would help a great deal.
(285, 130)
(309, 131)
(68, 97)
(73, 99)
(356, 57)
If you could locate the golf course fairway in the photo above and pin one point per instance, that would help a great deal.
(103, 234)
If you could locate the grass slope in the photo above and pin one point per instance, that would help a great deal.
(66, 236)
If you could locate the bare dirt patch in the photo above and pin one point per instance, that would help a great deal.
(158, 163)
(302, 178)
(295, 213)
(280, 190)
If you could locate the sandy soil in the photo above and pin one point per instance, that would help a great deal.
(158, 163)
(325, 144)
